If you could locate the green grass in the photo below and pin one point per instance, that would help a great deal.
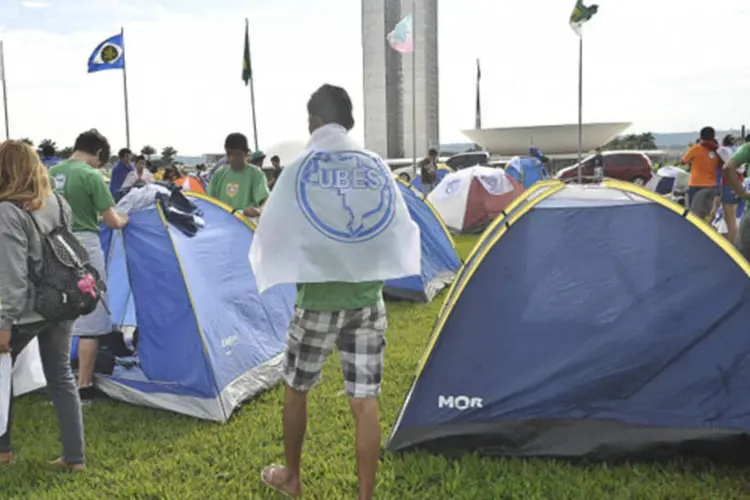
(138, 453)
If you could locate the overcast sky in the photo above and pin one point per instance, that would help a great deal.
(662, 64)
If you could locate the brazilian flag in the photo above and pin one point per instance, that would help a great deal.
(247, 68)
(582, 14)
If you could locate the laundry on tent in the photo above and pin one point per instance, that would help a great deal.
(207, 341)
(468, 200)
(527, 170)
(440, 262)
(598, 322)
(442, 171)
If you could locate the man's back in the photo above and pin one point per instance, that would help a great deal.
(85, 190)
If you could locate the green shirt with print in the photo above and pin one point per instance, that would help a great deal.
(85, 190)
(742, 155)
(335, 296)
(239, 189)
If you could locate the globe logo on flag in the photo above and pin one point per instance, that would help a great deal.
(347, 196)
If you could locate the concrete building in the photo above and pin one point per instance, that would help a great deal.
(388, 79)
(382, 69)
(427, 85)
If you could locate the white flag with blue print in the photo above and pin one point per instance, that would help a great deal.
(335, 214)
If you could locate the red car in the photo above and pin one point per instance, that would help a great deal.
(629, 166)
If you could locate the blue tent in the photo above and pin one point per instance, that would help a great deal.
(440, 262)
(527, 170)
(206, 340)
(442, 171)
(597, 322)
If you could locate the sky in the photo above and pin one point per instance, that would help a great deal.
(666, 66)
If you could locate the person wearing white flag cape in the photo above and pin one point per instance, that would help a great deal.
(337, 226)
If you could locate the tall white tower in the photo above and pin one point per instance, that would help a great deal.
(383, 107)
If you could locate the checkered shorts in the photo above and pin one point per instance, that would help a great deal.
(359, 335)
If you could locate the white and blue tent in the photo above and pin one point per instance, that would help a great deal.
(207, 341)
(527, 170)
(440, 262)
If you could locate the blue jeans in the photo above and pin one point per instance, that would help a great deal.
(54, 348)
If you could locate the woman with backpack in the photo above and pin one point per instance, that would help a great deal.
(29, 213)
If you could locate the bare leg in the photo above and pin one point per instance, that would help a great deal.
(730, 217)
(287, 478)
(88, 348)
(367, 423)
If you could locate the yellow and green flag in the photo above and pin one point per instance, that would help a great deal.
(582, 14)
(247, 68)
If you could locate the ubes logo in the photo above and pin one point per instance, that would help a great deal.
(347, 195)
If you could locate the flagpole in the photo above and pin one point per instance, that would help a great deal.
(5, 91)
(125, 90)
(252, 92)
(580, 107)
(414, 86)
(478, 111)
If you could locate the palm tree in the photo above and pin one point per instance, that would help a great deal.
(168, 154)
(28, 141)
(48, 143)
(147, 151)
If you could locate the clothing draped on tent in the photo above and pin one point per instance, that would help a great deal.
(527, 170)
(336, 214)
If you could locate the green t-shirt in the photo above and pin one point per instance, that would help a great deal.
(239, 190)
(742, 155)
(85, 190)
(336, 296)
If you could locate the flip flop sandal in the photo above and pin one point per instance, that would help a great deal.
(268, 475)
(60, 465)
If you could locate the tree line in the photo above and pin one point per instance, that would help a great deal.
(168, 153)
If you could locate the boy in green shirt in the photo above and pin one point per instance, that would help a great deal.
(238, 184)
(84, 188)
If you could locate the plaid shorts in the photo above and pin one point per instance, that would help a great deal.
(359, 335)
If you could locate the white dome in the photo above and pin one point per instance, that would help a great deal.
(288, 151)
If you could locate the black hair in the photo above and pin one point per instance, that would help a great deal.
(747, 138)
(48, 150)
(332, 105)
(140, 158)
(432, 152)
(708, 134)
(275, 158)
(93, 142)
(728, 140)
(236, 140)
(123, 152)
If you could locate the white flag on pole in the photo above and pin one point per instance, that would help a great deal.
(335, 214)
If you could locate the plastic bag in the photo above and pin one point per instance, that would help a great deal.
(5, 374)
(28, 375)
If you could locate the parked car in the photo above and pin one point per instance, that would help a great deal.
(629, 166)
(456, 162)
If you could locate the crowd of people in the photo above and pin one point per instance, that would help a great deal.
(39, 197)
(716, 177)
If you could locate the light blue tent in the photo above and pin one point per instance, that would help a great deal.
(595, 322)
(527, 170)
(440, 262)
(207, 341)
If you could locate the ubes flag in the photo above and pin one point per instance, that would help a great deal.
(335, 214)
(581, 15)
(110, 54)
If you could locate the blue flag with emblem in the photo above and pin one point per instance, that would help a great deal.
(110, 54)
(336, 214)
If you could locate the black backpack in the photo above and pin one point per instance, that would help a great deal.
(67, 286)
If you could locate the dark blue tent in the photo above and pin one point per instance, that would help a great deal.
(440, 262)
(599, 322)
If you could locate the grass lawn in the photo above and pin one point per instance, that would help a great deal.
(138, 453)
